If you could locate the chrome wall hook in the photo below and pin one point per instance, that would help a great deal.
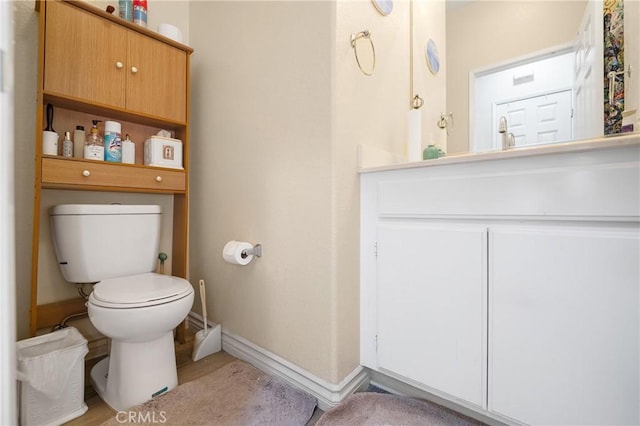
(446, 121)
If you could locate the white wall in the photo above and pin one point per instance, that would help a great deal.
(7, 220)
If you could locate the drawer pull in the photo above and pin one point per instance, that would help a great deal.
(134, 70)
(86, 173)
(119, 65)
(158, 178)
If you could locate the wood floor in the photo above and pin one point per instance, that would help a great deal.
(188, 370)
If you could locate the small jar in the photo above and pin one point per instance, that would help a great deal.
(430, 152)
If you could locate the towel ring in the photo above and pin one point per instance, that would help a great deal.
(366, 35)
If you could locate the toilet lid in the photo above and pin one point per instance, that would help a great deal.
(139, 290)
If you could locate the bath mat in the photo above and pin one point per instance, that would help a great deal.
(369, 409)
(236, 394)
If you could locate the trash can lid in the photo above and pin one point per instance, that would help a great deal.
(66, 338)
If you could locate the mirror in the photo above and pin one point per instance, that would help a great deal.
(520, 44)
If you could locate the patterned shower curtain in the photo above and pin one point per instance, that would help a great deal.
(613, 61)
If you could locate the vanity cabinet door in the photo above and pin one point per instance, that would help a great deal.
(85, 56)
(563, 324)
(156, 78)
(431, 301)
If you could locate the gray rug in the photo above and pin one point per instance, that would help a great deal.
(369, 409)
(236, 394)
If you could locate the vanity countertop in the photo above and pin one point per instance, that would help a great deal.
(468, 157)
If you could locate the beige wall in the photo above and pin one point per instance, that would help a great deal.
(26, 63)
(278, 109)
(430, 23)
(261, 172)
(174, 12)
(26, 74)
(472, 32)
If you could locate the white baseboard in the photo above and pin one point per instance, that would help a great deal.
(327, 394)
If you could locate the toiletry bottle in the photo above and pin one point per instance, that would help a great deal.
(67, 145)
(128, 151)
(125, 10)
(140, 12)
(112, 142)
(78, 142)
(94, 149)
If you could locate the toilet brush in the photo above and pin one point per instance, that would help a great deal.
(207, 340)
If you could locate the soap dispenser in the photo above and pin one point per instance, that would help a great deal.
(94, 147)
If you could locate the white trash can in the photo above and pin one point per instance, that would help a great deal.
(51, 375)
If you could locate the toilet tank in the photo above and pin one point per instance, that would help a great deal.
(98, 241)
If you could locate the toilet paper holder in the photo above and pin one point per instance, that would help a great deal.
(254, 251)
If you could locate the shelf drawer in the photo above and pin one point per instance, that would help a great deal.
(110, 176)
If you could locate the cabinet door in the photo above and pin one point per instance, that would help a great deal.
(156, 78)
(432, 306)
(564, 325)
(83, 54)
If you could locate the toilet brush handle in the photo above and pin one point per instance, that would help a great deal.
(203, 300)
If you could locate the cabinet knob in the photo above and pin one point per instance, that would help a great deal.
(134, 70)
(86, 173)
(158, 178)
(119, 65)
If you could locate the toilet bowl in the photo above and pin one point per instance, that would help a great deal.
(115, 247)
(140, 323)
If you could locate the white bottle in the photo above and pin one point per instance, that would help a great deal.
(128, 151)
(94, 149)
(67, 145)
(78, 142)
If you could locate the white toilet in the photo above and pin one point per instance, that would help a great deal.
(116, 246)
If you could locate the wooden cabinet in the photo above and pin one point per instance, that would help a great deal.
(510, 287)
(63, 173)
(158, 85)
(94, 65)
(90, 58)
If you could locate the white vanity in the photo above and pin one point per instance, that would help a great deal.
(508, 282)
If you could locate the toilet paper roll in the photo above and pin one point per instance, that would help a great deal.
(232, 252)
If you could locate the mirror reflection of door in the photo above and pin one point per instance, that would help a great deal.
(534, 95)
(536, 120)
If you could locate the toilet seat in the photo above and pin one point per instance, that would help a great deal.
(137, 291)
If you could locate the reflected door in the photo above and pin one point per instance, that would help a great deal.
(537, 119)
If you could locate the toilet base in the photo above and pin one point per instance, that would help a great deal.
(135, 372)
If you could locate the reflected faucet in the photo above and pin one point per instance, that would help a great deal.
(508, 139)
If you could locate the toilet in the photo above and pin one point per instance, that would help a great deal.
(116, 247)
